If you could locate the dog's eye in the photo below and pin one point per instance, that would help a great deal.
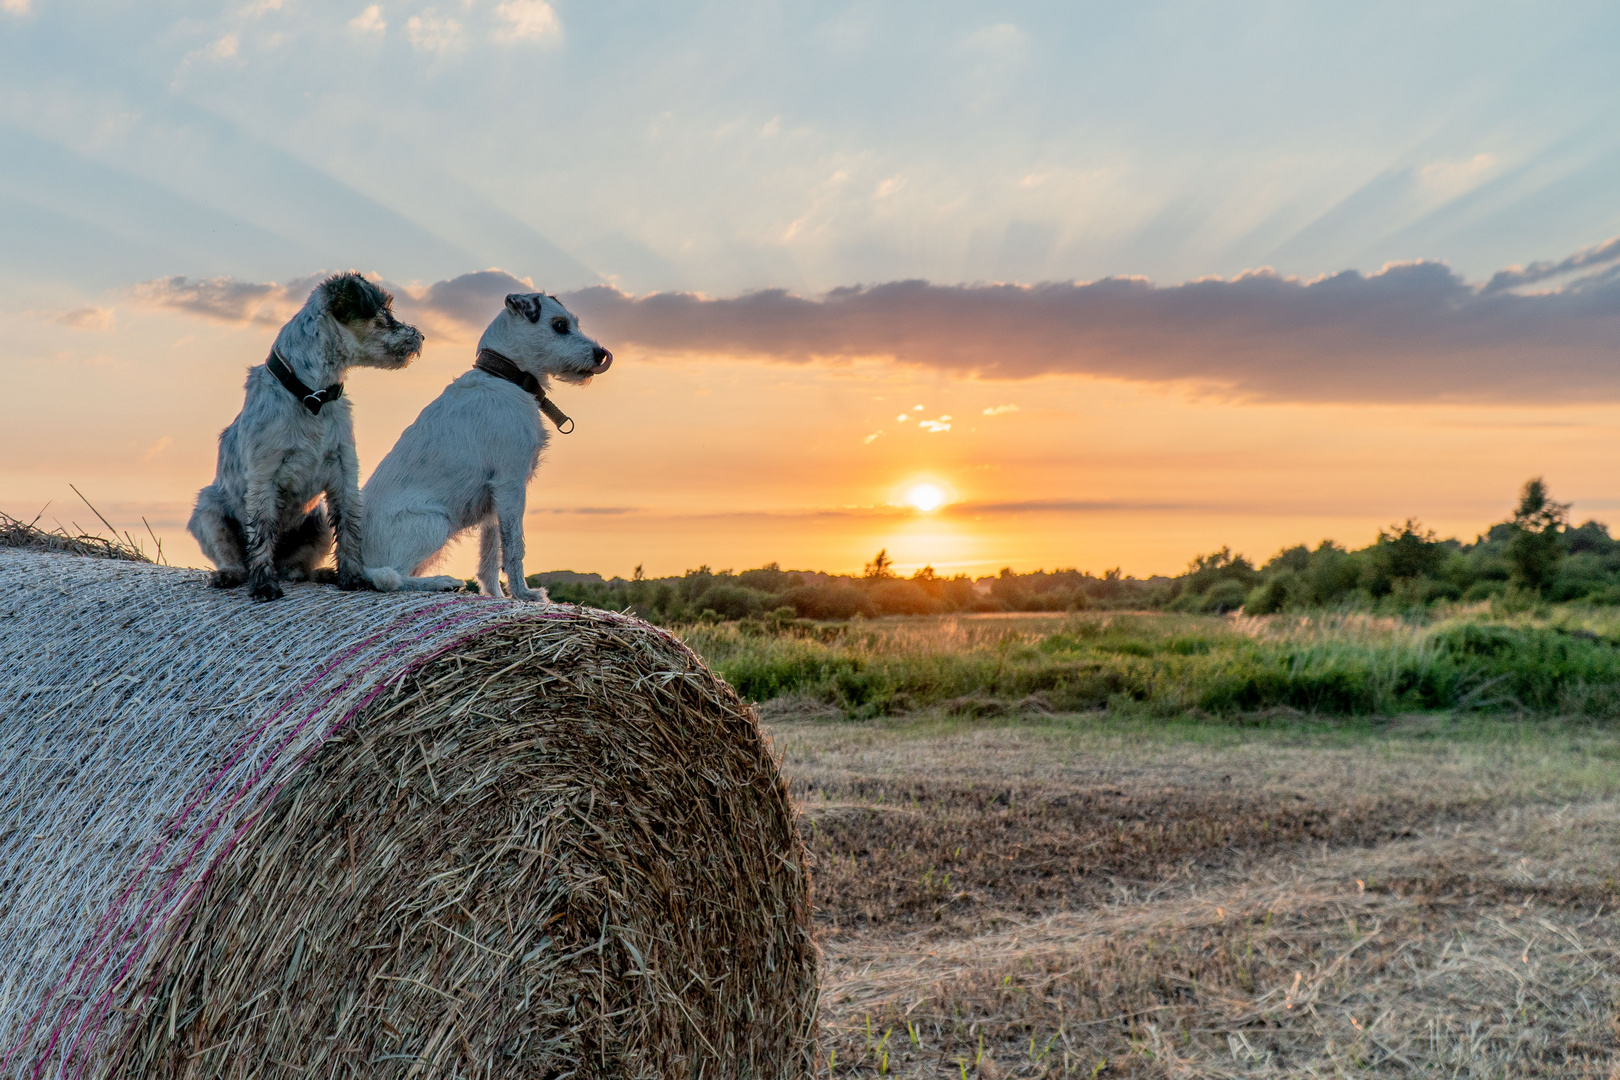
(560, 325)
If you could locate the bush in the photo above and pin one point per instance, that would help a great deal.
(1222, 597)
(899, 597)
(770, 578)
(835, 600)
(1269, 598)
(734, 601)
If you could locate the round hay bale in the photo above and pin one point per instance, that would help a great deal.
(374, 836)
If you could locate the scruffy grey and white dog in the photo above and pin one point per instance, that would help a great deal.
(468, 458)
(293, 442)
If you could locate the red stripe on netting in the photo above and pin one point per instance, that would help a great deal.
(269, 797)
(102, 1009)
(144, 934)
(87, 970)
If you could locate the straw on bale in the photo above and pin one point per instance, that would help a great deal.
(381, 836)
(16, 533)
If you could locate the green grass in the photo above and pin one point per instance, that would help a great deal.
(1565, 662)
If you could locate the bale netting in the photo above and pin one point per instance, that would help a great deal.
(360, 835)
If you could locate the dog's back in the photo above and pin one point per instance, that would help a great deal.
(480, 433)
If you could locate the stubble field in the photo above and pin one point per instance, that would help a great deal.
(1114, 894)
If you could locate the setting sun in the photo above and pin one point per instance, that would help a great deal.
(926, 497)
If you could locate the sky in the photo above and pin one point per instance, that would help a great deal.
(1125, 283)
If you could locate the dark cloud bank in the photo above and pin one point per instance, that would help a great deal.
(227, 299)
(1412, 332)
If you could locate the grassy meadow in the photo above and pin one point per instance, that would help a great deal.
(1558, 661)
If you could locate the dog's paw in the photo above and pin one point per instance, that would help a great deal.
(352, 581)
(228, 578)
(266, 590)
(533, 596)
(324, 575)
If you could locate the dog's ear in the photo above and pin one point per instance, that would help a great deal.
(524, 305)
(351, 298)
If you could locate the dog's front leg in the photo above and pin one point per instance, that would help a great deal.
(509, 506)
(343, 509)
(259, 536)
(489, 558)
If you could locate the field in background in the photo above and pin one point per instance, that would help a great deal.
(1174, 845)
(1124, 896)
(1565, 661)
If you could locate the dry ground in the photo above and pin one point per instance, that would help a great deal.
(1082, 897)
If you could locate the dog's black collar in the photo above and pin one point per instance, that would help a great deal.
(493, 363)
(311, 399)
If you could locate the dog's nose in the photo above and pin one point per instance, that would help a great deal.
(603, 360)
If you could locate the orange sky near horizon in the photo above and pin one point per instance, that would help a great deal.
(683, 460)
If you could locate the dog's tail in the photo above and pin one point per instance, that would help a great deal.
(385, 578)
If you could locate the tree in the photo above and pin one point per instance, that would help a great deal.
(1408, 551)
(1592, 536)
(1537, 544)
(881, 565)
(1206, 571)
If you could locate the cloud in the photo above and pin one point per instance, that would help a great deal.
(527, 20)
(430, 33)
(1000, 410)
(1515, 276)
(465, 302)
(1413, 331)
(471, 299)
(225, 48)
(1451, 178)
(999, 40)
(370, 21)
(89, 318)
(226, 299)
(15, 7)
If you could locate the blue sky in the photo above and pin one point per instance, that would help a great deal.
(172, 174)
(722, 148)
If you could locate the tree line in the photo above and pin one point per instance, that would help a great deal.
(1533, 555)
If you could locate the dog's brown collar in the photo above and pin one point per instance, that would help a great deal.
(493, 363)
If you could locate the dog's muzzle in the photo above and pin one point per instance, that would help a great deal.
(604, 360)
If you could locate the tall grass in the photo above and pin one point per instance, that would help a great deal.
(1567, 662)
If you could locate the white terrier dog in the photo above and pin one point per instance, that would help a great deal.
(291, 443)
(468, 458)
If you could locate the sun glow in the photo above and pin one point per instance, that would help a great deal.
(926, 497)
